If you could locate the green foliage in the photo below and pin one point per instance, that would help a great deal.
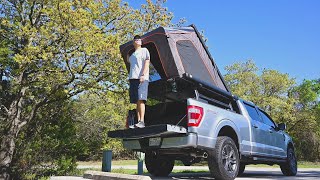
(54, 51)
(307, 127)
(309, 93)
(65, 166)
(95, 114)
(63, 48)
(240, 79)
(50, 145)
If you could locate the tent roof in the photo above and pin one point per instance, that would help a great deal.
(176, 51)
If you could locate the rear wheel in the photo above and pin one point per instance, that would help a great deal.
(242, 167)
(224, 160)
(289, 168)
(158, 165)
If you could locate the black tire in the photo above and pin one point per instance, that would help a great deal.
(224, 160)
(158, 165)
(242, 167)
(290, 168)
(186, 162)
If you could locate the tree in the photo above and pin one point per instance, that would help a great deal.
(95, 114)
(240, 78)
(48, 147)
(307, 126)
(60, 49)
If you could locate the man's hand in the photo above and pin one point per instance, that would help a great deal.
(142, 78)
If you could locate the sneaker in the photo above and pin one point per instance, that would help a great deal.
(131, 126)
(140, 124)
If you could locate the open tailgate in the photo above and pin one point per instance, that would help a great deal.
(149, 131)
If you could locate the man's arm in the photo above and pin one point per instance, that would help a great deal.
(145, 67)
(145, 70)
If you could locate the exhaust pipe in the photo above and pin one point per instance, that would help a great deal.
(204, 155)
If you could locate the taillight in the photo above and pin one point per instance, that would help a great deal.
(195, 114)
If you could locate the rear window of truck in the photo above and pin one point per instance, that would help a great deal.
(252, 112)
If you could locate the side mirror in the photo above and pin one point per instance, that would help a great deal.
(282, 126)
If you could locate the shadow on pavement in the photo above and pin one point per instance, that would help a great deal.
(247, 175)
(279, 175)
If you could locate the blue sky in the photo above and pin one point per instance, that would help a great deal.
(277, 34)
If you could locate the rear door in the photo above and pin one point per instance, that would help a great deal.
(258, 132)
(275, 138)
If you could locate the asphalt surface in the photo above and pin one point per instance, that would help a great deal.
(261, 173)
(250, 174)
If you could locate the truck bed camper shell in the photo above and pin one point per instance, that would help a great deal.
(181, 63)
(192, 116)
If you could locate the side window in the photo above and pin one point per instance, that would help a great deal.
(266, 119)
(253, 112)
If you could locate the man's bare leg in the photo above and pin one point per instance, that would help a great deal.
(138, 111)
(142, 108)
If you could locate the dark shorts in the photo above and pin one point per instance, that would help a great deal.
(138, 91)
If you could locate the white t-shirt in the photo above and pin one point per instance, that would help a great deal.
(137, 61)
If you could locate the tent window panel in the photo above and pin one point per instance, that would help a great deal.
(192, 61)
(156, 71)
(154, 75)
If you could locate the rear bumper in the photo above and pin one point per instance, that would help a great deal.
(190, 140)
(149, 131)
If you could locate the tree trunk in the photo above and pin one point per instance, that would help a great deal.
(6, 153)
(9, 138)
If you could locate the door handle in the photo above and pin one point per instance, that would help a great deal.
(255, 126)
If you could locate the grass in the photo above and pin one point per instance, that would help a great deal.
(306, 164)
(80, 172)
(301, 164)
(125, 162)
(115, 162)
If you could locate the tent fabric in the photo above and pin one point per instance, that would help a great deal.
(176, 51)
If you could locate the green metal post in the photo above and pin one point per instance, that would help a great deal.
(140, 167)
(106, 160)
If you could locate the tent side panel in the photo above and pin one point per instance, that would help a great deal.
(190, 55)
(213, 71)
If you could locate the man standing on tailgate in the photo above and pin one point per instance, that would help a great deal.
(139, 79)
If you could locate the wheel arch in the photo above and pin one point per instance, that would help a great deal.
(290, 144)
(227, 128)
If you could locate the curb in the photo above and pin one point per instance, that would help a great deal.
(98, 175)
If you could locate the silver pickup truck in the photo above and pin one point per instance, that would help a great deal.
(194, 117)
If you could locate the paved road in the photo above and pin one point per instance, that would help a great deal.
(254, 173)
(251, 173)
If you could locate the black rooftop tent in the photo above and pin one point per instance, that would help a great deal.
(178, 51)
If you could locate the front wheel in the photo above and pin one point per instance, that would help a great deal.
(224, 160)
(158, 165)
(289, 168)
(242, 167)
